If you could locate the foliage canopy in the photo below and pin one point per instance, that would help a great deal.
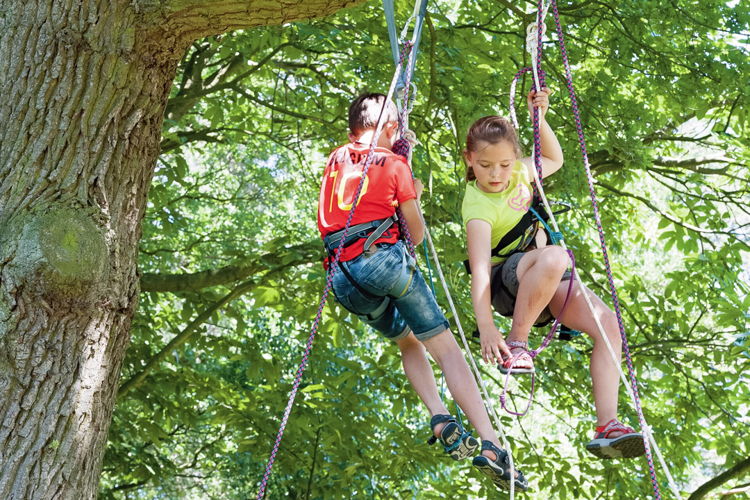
(231, 273)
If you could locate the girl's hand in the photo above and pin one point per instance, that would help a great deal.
(494, 349)
(539, 100)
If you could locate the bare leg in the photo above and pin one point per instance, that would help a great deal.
(539, 273)
(419, 372)
(604, 373)
(463, 387)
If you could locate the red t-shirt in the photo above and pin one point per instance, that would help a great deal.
(388, 183)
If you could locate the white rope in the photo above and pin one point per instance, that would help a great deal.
(532, 41)
(488, 406)
(646, 429)
(477, 375)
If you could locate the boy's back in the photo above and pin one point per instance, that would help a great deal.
(388, 184)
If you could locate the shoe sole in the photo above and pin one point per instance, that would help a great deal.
(466, 448)
(627, 446)
(515, 371)
(500, 478)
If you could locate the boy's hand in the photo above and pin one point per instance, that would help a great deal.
(410, 136)
(405, 144)
(418, 187)
(494, 349)
(538, 99)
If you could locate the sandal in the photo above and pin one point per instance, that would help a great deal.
(520, 356)
(457, 442)
(628, 445)
(498, 470)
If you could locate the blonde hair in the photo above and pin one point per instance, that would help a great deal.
(489, 129)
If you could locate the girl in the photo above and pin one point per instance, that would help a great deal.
(516, 273)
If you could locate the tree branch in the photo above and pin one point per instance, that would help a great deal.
(193, 19)
(296, 255)
(669, 217)
(182, 337)
(281, 110)
(736, 471)
(179, 105)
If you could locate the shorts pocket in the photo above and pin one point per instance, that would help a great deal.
(382, 271)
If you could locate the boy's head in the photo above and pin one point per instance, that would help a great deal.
(363, 116)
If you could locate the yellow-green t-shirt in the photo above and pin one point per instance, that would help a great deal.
(501, 210)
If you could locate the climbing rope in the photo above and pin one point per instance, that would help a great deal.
(474, 368)
(534, 44)
(403, 72)
(534, 353)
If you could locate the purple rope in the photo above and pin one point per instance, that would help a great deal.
(537, 194)
(537, 137)
(405, 54)
(333, 267)
(541, 347)
(600, 229)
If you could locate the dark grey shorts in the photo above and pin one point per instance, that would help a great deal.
(504, 288)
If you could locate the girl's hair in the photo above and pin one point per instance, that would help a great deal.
(489, 129)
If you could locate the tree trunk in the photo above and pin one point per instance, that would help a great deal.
(83, 86)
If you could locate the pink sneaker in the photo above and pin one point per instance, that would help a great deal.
(520, 360)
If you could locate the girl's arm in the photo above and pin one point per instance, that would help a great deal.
(478, 236)
(552, 155)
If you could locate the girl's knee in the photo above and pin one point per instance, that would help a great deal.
(554, 259)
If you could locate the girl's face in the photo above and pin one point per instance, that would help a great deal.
(492, 165)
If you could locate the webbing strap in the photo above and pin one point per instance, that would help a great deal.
(390, 18)
(420, 11)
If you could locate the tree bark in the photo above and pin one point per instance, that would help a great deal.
(83, 86)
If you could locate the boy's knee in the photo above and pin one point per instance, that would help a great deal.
(408, 341)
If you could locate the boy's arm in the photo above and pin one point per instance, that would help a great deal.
(413, 215)
(552, 155)
(478, 237)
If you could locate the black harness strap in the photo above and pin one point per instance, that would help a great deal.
(519, 229)
(371, 230)
(516, 232)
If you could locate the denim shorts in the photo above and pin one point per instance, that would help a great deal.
(390, 294)
(504, 289)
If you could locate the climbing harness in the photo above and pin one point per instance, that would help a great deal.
(370, 231)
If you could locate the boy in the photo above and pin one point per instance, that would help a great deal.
(378, 280)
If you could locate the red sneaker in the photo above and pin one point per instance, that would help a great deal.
(627, 445)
